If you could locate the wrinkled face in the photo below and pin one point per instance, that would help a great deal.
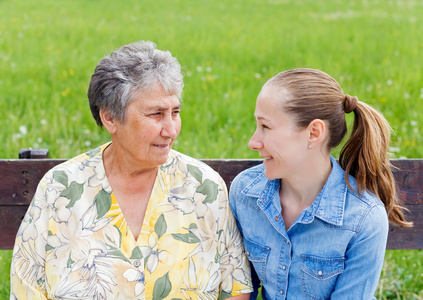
(282, 145)
(151, 125)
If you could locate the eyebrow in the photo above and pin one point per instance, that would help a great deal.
(162, 108)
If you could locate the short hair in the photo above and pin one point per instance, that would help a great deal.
(128, 71)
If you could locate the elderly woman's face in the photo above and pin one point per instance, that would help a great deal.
(152, 123)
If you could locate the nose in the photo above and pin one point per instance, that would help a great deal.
(255, 143)
(171, 127)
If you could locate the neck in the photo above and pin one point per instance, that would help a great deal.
(118, 164)
(301, 189)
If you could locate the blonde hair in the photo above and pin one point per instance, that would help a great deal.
(316, 95)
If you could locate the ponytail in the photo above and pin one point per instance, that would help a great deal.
(365, 157)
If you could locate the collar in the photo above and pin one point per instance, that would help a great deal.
(328, 206)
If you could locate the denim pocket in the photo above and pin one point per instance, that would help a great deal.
(319, 275)
(257, 254)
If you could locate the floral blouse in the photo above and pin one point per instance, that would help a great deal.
(74, 242)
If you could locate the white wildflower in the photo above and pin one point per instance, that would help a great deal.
(23, 130)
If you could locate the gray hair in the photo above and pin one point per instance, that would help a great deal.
(129, 70)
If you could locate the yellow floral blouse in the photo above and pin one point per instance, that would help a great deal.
(74, 242)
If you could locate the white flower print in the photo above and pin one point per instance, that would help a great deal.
(153, 254)
(29, 231)
(136, 276)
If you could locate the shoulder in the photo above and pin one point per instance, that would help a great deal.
(343, 203)
(366, 211)
(364, 198)
(248, 176)
(78, 167)
(192, 166)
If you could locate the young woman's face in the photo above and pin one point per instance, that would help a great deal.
(282, 145)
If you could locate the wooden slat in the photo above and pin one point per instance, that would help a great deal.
(10, 219)
(408, 238)
(20, 178)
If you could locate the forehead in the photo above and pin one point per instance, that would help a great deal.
(271, 100)
(156, 99)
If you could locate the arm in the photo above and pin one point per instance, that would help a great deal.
(364, 258)
(27, 274)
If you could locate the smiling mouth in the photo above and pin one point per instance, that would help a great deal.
(162, 146)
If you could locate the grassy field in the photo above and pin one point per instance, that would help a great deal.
(228, 49)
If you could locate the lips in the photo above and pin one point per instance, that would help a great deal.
(265, 157)
(162, 146)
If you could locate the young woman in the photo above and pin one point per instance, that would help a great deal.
(313, 228)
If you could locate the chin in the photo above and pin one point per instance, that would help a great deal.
(269, 174)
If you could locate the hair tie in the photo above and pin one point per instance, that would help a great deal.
(350, 103)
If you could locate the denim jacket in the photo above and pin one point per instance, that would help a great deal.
(333, 250)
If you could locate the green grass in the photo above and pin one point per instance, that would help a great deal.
(228, 49)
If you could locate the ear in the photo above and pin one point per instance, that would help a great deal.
(107, 120)
(317, 132)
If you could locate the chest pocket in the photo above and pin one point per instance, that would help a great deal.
(319, 275)
(257, 254)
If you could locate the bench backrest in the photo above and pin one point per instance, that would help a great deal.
(20, 177)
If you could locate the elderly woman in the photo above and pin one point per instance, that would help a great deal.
(131, 219)
(313, 228)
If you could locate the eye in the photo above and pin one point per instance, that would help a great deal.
(264, 126)
(176, 112)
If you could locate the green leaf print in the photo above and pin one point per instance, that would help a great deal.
(188, 238)
(93, 152)
(103, 202)
(61, 177)
(160, 227)
(116, 253)
(70, 262)
(217, 257)
(73, 192)
(162, 287)
(224, 295)
(136, 253)
(210, 189)
(193, 225)
(195, 172)
(164, 167)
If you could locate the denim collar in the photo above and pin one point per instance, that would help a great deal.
(328, 206)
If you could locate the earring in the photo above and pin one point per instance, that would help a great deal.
(309, 146)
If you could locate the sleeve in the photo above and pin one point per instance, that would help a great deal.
(27, 274)
(364, 258)
(236, 275)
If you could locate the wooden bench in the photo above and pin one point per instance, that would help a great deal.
(20, 177)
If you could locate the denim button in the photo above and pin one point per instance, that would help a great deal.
(277, 219)
(320, 272)
(248, 253)
(281, 291)
(284, 267)
(137, 263)
(287, 242)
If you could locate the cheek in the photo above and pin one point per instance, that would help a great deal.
(149, 133)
